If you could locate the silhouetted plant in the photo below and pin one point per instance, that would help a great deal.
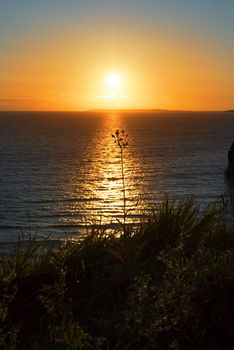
(121, 139)
(173, 289)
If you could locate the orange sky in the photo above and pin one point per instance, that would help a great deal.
(58, 57)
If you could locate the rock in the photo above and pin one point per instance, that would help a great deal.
(230, 169)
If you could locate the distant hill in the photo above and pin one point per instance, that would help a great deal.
(155, 110)
(136, 110)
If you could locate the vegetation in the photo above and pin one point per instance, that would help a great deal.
(121, 140)
(172, 289)
(166, 283)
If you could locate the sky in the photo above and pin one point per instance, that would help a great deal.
(166, 54)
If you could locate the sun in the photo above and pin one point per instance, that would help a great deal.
(114, 80)
(114, 89)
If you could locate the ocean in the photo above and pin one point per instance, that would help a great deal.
(60, 172)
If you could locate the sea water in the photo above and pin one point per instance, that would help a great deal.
(60, 172)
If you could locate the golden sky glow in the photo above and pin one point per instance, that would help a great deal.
(58, 55)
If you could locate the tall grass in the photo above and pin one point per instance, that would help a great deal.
(173, 290)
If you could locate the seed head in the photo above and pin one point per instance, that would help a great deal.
(121, 139)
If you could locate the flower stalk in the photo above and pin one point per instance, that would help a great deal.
(121, 139)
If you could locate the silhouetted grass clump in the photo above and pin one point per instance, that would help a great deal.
(172, 289)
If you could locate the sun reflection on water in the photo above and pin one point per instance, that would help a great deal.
(103, 182)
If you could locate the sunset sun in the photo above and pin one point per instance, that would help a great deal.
(114, 80)
(114, 88)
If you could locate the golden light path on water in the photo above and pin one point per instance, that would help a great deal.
(102, 187)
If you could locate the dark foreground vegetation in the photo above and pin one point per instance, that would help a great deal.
(166, 284)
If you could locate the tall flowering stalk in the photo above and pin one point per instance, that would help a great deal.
(121, 139)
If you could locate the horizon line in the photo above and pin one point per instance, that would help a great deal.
(113, 110)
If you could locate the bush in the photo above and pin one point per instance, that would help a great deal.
(171, 289)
